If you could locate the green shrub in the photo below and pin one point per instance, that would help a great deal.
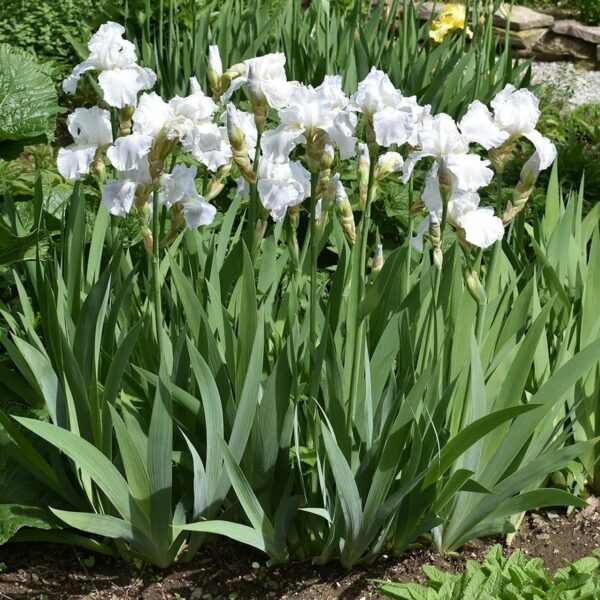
(499, 578)
(46, 27)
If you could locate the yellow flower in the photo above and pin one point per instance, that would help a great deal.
(452, 18)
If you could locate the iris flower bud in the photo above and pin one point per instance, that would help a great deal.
(239, 149)
(215, 70)
(363, 164)
(377, 260)
(388, 163)
(344, 210)
(474, 286)
(435, 237)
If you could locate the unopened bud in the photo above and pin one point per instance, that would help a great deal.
(147, 238)
(215, 70)
(98, 167)
(377, 260)
(523, 189)
(125, 115)
(445, 184)
(294, 216)
(235, 71)
(435, 237)
(177, 222)
(363, 164)
(345, 214)
(325, 171)
(474, 286)
(259, 232)
(315, 148)
(388, 163)
(416, 208)
(499, 156)
(239, 150)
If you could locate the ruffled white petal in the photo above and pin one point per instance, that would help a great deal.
(300, 177)
(197, 106)
(276, 144)
(341, 133)
(470, 170)
(178, 186)
(152, 115)
(544, 148)
(70, 83)
(439, 136)
(479, 126)
(516, 111)
(118, 196)
(410, 163)
(197, 212)
(482, 228)
(210, 145)
(90, 126)
(130, 152)
(74, 162)
(277, 196)
(392, 126)
(108, 49)
(376, 92)
(120, 87)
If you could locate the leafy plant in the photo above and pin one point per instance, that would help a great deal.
(46, 28)
(28, 100)
(499, 578)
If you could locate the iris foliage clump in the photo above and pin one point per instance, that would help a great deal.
(215, 337)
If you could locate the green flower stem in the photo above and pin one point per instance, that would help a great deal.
(481, 309)
(253, 205)
(358, 281)
(409, 235)
(314, 240)
(156, 267)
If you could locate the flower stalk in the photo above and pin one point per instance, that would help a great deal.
(358, 288)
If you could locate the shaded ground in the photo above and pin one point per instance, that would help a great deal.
(227, 571)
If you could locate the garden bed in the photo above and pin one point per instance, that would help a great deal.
(229, 571)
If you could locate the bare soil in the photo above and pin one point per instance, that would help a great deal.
(228, 571)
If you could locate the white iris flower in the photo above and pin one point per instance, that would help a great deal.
(481, 227)
(120, 78)
(308, 110)
(395, 118)
(90, 129)
(516, 113)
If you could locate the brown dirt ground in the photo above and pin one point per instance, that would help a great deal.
(227, 571)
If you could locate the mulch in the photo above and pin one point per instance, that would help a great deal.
(228, 571)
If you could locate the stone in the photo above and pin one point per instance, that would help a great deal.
(553, 46)
(522, 18)
(578, 30)
(522, 40)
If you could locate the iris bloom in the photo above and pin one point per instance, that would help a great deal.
(178, 188)
(478, 225)
(452, 18)
(265, 77)
(440, 138)
(516, 113)
(129, 155)
(305, 112)
(121, 78)
(395, 119)
(280, 185)
(90, 129)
